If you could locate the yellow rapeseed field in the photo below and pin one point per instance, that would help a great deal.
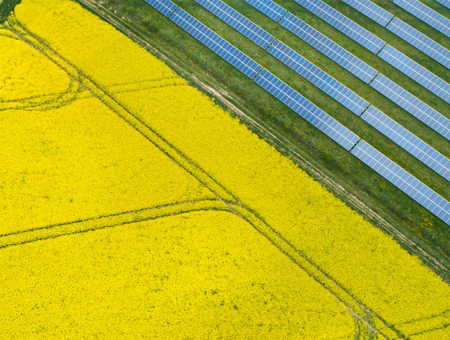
(25, 72)
(176, 277)
(134, 206)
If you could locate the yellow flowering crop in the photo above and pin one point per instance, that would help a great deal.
(25, 73)
(172, 278)
(80, 161)
(156, 213)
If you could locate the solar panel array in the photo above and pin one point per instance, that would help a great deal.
(408, 141)
(403, 180)
(292, 59)
(328, 47)
(332, 87)
(411, 104)
(240, 23)
(420, 41)
(371, 10)
(402, 30)
(343, 24)
(217, 44)
(164, 7)
(315, 75)
(426, 14)
(269, 8)
(307, 110)
(311, 113)
(363, 71)
(389, 54)
(421, 75)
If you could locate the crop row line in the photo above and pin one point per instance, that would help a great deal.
(108, 221)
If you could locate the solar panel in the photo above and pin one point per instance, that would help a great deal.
(418, 73)
(240, 23)
(403, 180)
(420, 41)
(411, 104)
(329, 48)
(371, 10)
(408, 141)
(316, 76)
(165, 7)
(269, 8)
(343, 24)
(445, 3)
(426, 14)
(217, 44)
(307, 110)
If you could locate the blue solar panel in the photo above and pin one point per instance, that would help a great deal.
(426, 14)
(165, 7)
(315, 75)
(445, 3)
(329, 48)
(217, 44)
(408, 141)
(420, 41)
(403, 180)
(240, 23)
(371, 10)
(343, 24)
(411, 104)
(416, 72)
(269, 8)
(307, 110)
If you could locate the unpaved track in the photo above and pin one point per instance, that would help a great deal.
(271, 136)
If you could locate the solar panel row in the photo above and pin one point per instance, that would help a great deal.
(343, 24)
(316, 76)
(165, 7)
(426, 14)
(445, 3)
(403, 180)
(411, 104)
(420, 41)
(402, 30)
(217, 44)
(408, 141)
(329, 126)
(269, 8)
(371, 10)
(240, 23)
(418, 73)
(328, 47)
(307, 110)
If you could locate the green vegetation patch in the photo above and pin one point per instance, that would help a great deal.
(6, 7)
